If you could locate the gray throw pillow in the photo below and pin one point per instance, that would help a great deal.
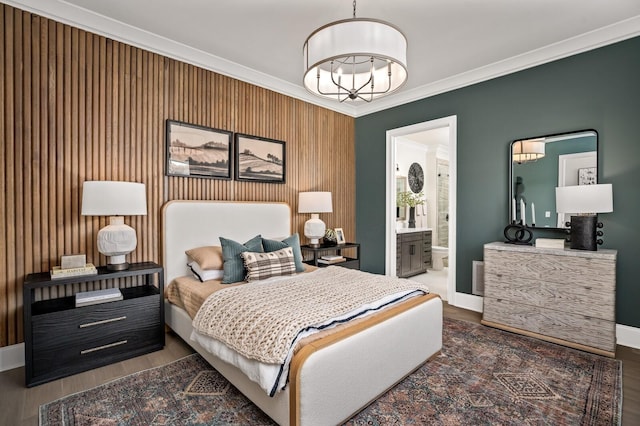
(293, 241)
(234, 270)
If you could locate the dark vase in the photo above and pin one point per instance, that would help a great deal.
(412, 217)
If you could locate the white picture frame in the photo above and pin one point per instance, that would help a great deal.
(340, 236)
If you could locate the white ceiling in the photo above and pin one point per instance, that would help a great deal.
(452, 43)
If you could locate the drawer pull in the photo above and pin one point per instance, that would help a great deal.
(99, 348)
(107, 321)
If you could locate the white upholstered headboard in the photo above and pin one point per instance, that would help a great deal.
(189, 224)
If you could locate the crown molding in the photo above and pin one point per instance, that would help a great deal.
(88, 20)
(85, 19)
(588, 41)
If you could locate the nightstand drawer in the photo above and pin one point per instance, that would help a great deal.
(95, 335)
(94, 323)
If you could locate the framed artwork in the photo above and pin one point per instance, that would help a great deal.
(259, 159)
(197, 151)
(587, 176)
(340, 236)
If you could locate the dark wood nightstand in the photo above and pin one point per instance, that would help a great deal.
(315, 253)
(61, 339)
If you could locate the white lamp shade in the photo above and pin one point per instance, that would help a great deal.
(584, 199)
(113, 198)
(315, 202)
(359, 39)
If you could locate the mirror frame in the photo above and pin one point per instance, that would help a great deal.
(565, 135)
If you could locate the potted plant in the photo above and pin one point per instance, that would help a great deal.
(410, 199)
(329, 239)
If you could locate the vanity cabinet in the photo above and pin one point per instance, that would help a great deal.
(559, 295)
(413, 253)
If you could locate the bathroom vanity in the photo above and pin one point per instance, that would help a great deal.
(413, 251)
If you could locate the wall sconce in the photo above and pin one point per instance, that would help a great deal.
(584, 202)
(115, 199)
(314, 203)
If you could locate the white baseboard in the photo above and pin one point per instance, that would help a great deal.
(468, 301)
(628, 336)
(11, 357)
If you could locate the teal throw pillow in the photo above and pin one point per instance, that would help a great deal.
(234, 270)
(293, 241)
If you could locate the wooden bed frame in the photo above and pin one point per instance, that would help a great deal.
(332, 378)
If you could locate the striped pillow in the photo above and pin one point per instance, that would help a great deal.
(261, 266)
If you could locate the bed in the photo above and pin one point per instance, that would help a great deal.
(331, 378)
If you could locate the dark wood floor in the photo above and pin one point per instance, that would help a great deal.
(19, 405)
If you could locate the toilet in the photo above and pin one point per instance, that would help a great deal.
(439, 257)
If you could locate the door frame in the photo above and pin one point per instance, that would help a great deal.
(390, 216)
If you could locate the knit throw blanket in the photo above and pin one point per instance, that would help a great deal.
(261, 320)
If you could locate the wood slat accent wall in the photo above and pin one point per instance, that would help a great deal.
(77, 106)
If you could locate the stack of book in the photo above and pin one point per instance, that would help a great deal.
(331, 259)
(58, 272)
(86, 298)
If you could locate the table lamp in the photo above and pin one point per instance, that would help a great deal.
(314, 202)
(115, 199)
(584, 202)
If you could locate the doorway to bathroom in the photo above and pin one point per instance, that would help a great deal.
(432, 145)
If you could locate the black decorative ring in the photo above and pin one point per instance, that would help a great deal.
(516, 233)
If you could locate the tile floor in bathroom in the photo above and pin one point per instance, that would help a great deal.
(436, 280)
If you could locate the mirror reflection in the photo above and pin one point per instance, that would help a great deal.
(539, 164)
(401, 186)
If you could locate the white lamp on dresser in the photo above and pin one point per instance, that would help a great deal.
(115, 199)
(584, 202)
(314, 202)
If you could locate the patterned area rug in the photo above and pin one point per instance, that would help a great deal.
(483, 376)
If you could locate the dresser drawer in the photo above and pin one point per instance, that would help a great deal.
(581, 329)
(563, 269)
(576, 297)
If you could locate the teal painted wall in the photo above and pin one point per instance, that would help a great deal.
(599, 90)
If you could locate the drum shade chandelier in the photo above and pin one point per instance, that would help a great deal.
(356, 58)
(528, 150)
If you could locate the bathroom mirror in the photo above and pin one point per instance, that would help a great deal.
(401, 186)
(539, 164)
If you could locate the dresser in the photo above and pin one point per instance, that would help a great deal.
(558, 295)
(413, 252)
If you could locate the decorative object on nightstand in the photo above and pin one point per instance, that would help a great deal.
(73, 261)
(329, 239)
(584, 202)
(314, 202)
(340, 239)
(58, 272)
(115, 199)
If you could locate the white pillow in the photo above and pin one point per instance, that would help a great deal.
(205, 274)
